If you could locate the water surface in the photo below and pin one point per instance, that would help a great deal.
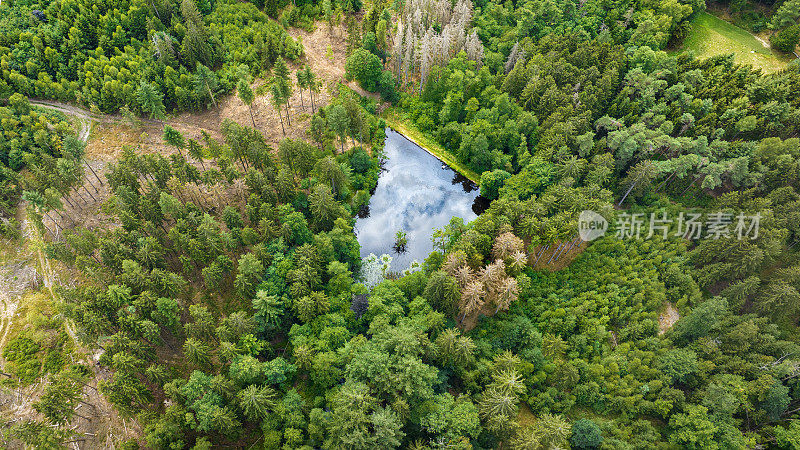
(416, 193)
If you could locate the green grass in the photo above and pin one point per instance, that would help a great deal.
(711, 36)
(394, 118)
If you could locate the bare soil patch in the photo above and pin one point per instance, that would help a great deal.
(324, 50)
(556, 256)
(667, 318)
(107, 140)
(325, 53)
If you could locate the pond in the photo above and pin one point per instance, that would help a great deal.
(416, 193)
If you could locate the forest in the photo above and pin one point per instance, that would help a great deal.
(179, 268)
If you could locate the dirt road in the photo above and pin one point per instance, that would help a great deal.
(85, 117)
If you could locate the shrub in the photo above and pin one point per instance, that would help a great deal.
(585, 434)
(491, 182)
(786, 39)
(365, 68)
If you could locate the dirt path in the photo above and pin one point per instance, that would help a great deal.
(9, 296)
(86, 115)
(17, 275)
(72, 110)
(45, 272)
(763, 41)
(667, 318)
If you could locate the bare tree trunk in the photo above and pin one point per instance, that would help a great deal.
(51, 220)
(541, 254)
(77, 204)
(629, 191)
(88, 180)
(62, 216)
(88, 404)
(93, 172)
(665, 181)
(90, 194)
(156, 10)
(79, 199)
(558, 254)
(48, 229)
(689, 187)
(69, 202)
(281, 117)
(554, 253)
(211, 94)
(567, 249)
(82, 417)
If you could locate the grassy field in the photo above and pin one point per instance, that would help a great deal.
(397, 122)
(711, 36)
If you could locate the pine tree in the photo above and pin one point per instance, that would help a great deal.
(205, 82)
(197, 352)
(150, 100)
(256, 401)
(277, 102)
(472, 298)
(339, 122)
(247, 97)
(174, 138)
(196, 152)
(302, 83)
(312, 84)
(284, 83)
(198, 44)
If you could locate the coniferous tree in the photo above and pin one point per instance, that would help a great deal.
(205, 82)
(150, 100)
(247, 97)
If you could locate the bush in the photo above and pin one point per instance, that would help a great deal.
(585, 434)
(386, 87)
(360, 161)
(786, 40)
(10, 229)
(21, 348)
(533, 180)
(22, 352)
(365, 68)
(491, 182)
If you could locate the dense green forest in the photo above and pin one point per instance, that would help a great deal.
(122, 54)
(224, 296)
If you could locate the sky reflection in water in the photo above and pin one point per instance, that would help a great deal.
(416, 193)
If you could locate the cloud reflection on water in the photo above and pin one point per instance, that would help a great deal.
(415, 194)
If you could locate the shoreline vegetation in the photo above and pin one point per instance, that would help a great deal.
(403, 126)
